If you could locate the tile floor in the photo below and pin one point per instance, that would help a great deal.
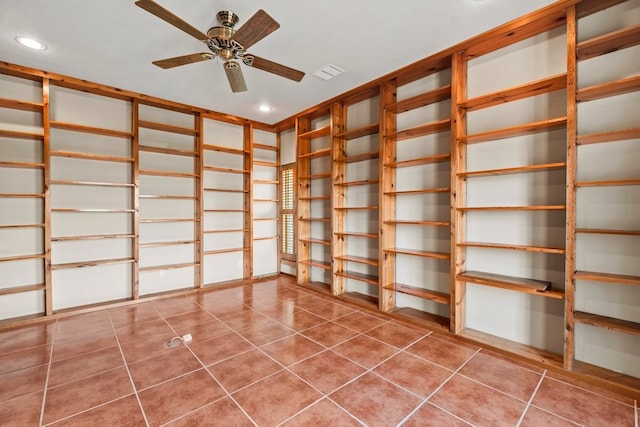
(270, 354)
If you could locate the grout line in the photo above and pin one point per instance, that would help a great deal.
(126, 366)
(46, 382)
(593, 392)
(535, 390)
(444, 410)
(496, 389)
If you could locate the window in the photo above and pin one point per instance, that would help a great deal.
(288, 202)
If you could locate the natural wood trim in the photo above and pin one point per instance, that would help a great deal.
(90, 129)
(167, 267)
(223, 149)
(619, 279)
(360, 157)
(21, 196)
(223, 210)
(22, 289)
(520, 284)
(91, 237)
(608, 183)
(22, 165)
(356, 208)
(91, 210)
(354, 234)
(166, 173)
(367, 278)
(505, 246)
(518, 169)
(166, 128)
(427, 129)
(258, 146)
(265, 164)
(358, 259)
(16, 104)
(90, 156)
(607, 43)
(169, 151)
(351, 183)
(234, 230)
(538, 87)
(439, 158)
(519, 130)
(271, 218)
(608, 231)
(423, 191)
(419, 253)
(223, 251)
(174, 243)
(315, 154)
(611, 136)
(93, 263)
(428, 294)
(19, 134)
(513, 208)
(2, 227)
(421, 223)
(316, 176)
(359, 132)
(21, 257)
(224, 190)
(163, 220)
(163, 197)
(316, 241)
(608, 379)
(223, 169)
(603, 90)
(91, 183)
(588, 7)
(265, 200)
(315, 133)
(319, 264)
(316, 198)
(421, 100)
(610, 323)
(266, 181)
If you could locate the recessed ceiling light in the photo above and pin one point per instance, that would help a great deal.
(31, 43)
(265, 108)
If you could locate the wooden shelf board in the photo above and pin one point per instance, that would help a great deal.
(89, 156)
(265, 164)
(21, 196)
(266, 200)
(258, 146)
(233, 230)
(519, 169)
(427, 129)
(588, 7)
(611, 136)
(359, 157)
(361, 299)
(223, 210)
(617, 87)
(356, 208)
(169, 151)
(538, 87)
(510, 132)
(22, 289)
(21, 257)
(221, 149)
(166, 128)
(163, 197)
(94, 263)
(363, 235)
(21, 165)
(319, 264)
(410, 192)
(223, 169)
(324, 288)
(16, 104)
(620, 279)
(174, 243)
(90, 129)
(352, 183)
(608, 231)
(20, 134)
(315, 154)
(255, 239)
(610, 323)
(167, 174)
(316, 176)
(92, 210)
(168, 267)
(607, 43)
(271, 218)
(507, 246)
(266, 181)
(428, 294)
(91, 237)
(315, 219)
(421, 161)
(316, 241)
(520, 284)
(360, 132)
(608, 183)
(423, 254)
(514, 208)
(91, 183)
(315, 198)
(316, 133)
(10, 226)
(421, 100)
(357, 259)
(223, 251)
(367, 278)
(422, 223)
(164, 220)
(502, 345)
(422, 318)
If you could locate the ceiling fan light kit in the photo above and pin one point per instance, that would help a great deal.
(226, 43)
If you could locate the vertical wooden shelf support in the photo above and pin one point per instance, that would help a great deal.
(46, 160)
(303, 144)
(198, 168)
(135, 200)
(338, 196)
(248, 201)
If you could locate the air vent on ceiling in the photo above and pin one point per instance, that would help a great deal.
(327, 72)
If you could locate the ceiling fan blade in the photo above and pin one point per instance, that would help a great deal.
(235, 77)
(259, 26)
(182, 60)
(275, 68)
(162, 13)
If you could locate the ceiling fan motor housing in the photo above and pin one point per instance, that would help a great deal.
(220, 38)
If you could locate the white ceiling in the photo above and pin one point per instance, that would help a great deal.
(113, 42)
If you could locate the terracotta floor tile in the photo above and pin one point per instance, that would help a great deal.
(65, 348)
(224, 411)
(71, 398)
(375, 401)
(152, 371)
(570, 379)
(21, 359)
(396, 335)
(225, 309)
(301, 320)
(429, 415)
(327, 371)
(502, 375)
(189, 319)
(243, 369)
(322, 414)
(581, 406)
(413, 373)
(537, 417)
(359, 321)
(308, 301)
(329, 334)
(174, 305)
(442, 352)
(84, 365)
(22, 411)
(330, 310)
(179, 396)
(478, 404)
(24, 337)
(265, 332)
(141, 349)
(257, 302)
(204, 331)
(137, 313)
(292, 349)
(278, 309)
(219, 348)
(365, 351)
(244, 319)
(142, 330)
(83, 324)
(121, 412)
(24, 381)
(276, 398)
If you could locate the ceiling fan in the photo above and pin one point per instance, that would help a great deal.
(226, 43)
